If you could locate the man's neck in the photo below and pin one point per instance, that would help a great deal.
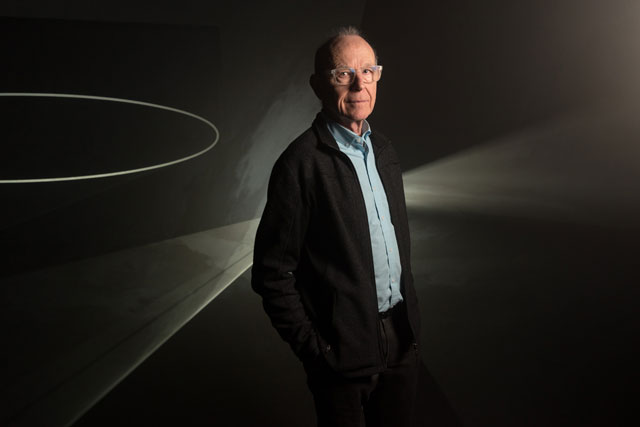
(353, 126)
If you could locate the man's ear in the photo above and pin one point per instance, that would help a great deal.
(315, 85)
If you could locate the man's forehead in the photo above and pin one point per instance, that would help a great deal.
(345, 48)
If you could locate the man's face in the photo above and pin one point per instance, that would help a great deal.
(352, 103)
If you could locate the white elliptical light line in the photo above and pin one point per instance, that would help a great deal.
(110, 99)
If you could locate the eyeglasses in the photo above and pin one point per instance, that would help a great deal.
(345, 75)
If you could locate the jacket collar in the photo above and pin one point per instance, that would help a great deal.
(319, 125)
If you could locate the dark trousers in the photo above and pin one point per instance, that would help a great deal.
(386, 399)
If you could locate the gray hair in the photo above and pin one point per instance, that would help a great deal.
(323, 56)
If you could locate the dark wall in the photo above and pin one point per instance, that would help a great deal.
(458, 73)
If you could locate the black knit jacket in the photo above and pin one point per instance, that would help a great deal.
(313, 264)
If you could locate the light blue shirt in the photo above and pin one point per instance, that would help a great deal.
(386, 259)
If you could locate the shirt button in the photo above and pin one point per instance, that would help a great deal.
(393, 280)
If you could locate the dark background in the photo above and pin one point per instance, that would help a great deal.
(528, 283)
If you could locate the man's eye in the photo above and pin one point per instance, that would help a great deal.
(343, 73)
(367, 71)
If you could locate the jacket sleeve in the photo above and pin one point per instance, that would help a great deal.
(278, 245)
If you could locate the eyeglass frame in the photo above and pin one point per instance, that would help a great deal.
(353, 74)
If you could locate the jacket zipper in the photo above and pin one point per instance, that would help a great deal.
(346, 159)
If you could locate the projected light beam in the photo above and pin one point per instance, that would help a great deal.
(580, 168)
(116, 173)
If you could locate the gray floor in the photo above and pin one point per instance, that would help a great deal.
(529, 323)
(526, 323)
(73, 331)
(225, 367)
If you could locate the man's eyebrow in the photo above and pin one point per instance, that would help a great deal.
(366, 65)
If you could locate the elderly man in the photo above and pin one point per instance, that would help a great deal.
(331, 257)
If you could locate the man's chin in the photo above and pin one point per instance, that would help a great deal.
(348, 117)
(356, 116)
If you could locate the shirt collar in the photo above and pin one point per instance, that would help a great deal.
(346, 137)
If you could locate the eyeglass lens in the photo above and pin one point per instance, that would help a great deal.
(347, 75)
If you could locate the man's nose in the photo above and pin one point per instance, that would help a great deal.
(358, 83)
